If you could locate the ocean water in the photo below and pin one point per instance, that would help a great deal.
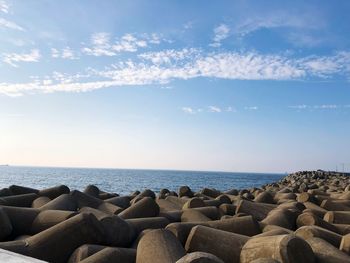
(124, 181)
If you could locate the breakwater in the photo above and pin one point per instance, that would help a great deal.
(304, 217)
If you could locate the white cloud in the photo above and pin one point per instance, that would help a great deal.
(299, 107)
(188, 25)
(4, 7)
(318, 107)
(188, 110)
(251, 108)
(55, 53)
(10, 25)
(100, 39)
(13, 58)
(154, 39)
(327, 65)
(307, 27)
(230, 109)
(66, 53)
(220, 33)
(167, 87)
(326, 106)
(214, 109)
(102, 45)
(145, 70)
(170, 55)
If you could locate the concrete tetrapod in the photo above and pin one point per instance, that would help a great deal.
(5, 225)
(281, 217)
(146, 207)
(40, 201)
(121, 201)
(181, 230)
(92, 190)
(317, 210)
(140, 224)
(137, 240)
(333, 205)
(193, 203)
(172, 216)
(22, 200)
(159, 246)
(210, 211)
(307, 232)
(264, 260)
(337, 217)
(274, 232)
(112, 254)
(245, 225)
(21, 219)
(57, 243)
(228, 209)
(54, 192)
(185, 191)
(83, 252)
(257, 210)
(345, 244)
(284, 248)
(49, 218)
(199, 257)
(308, 219)
(191, 215)
(20, 190)
(166, 205)
(326, 253)
(225, 245)
(117, 231)
(63, 202)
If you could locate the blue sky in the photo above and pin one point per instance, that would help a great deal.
(201, 85)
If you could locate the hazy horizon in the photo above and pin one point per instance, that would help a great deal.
(237, 86)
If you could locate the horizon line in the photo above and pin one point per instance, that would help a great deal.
(128, 168)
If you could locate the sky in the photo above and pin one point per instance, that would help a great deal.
(245, 86)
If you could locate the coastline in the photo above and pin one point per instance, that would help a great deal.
(304, 217)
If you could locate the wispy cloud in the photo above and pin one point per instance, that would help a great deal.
(188, 25)
(167, 87)
(65, 53)
(230, 109)
(13, 58)
(298, 107)
(4, 22)
(10, 25)
(220, 33)
(307, 27)
(214, 109)
(318, 107)
(208, 109)
(145, 70)
(4, 7)
(251, 108)
(189, 110)
(170, 55)
(103, 45)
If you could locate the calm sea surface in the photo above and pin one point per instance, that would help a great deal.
(124, 181)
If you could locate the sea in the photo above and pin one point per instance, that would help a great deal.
(125, 181)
